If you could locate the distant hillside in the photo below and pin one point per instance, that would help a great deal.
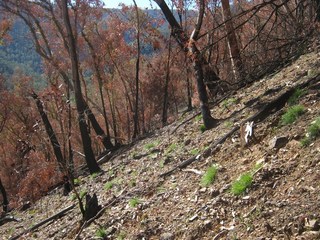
(19, 53)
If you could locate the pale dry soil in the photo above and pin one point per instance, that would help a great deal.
(282, 203)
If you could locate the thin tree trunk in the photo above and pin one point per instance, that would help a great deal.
(136, 110)
(51, 134)
(233, 46)
(189, 46)
(99, 78)
(86, 141)
(166, 88)
(4, 196)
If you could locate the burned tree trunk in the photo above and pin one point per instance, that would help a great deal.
(81, 108)
(51, 134)
(4, 196)
(189, 46)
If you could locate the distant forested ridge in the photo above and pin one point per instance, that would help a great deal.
(19, 54)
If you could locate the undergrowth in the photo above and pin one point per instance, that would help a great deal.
(209, 176)
(292, 114)
(298, 93)
(313, 132)
(241, 184)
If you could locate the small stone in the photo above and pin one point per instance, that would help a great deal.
(278, 142)
(187, 142)
(167, 236)
(202, 190)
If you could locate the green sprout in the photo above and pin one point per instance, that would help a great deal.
(209, 176)
(292, 114)
(240, 185)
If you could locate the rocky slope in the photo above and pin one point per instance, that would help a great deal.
(138, 202)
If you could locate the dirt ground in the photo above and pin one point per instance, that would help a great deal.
(282, 202)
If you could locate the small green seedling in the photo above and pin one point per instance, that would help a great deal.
(202, 128)
(133, 202)
(298, 93)
(108, 185)
(151, 145)
(292, 114)
(209, 176)
(76, 181)
(94, 175)
(229, 102)
(82, 193)
(101, 233)
(198, 117)
(171, 148)
(195, 151)
(312, 133)
(240, 185)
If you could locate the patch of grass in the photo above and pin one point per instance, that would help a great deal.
(82, 193)
(228, 124)
(94, 175)
(195, 151)
(313, 132)
(76, 181)
(202, 128)
(133, 202)
(298, 93)
(151, 145)
(240, 185)
(292, 114)
(171, 148)
(108, 185)
(198, 118)
(229, 102)
(101, 233)
(161, 164)
(209, 176)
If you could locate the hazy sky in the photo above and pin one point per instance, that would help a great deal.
(140, 3)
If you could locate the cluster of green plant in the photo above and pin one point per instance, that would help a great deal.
(94, 175)
(108, 185)
(242, 183)
(313, 132)
(202, 128)
(82, 193)
(229, 102)
(209, 176)
(101, 233)
(76, 181)
(133, 202)
(195, 151)
(171, 148)
(298, 93)
(292, 114)
(151, 145)
(198, 117)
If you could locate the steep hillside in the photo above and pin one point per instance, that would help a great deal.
(142, 198)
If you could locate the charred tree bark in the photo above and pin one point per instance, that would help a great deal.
(232, 41)
(5, 198)
(51, 134)
(81, 108)
(189, 46)
(106, 140)
(166, 86)
(136, 110)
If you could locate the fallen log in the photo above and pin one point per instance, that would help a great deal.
(271, 107)
(55, 216)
